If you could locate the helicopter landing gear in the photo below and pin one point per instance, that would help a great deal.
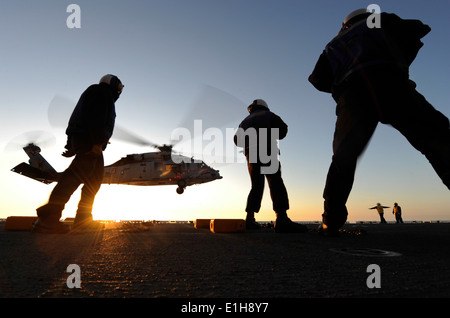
(181, 186)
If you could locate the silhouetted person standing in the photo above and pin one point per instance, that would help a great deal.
(367, 72)
(258, 134)
(380, 210)
(397, 211)
(90, 128)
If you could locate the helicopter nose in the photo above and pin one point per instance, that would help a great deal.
(211, 174)
(216, 174)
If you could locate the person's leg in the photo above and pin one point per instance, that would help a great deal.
(427, 130)
(255, 195)
(278, 192)
(50, 213)
(92, 182)
(354, 128)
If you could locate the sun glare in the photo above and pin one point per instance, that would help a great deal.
(161, 203)
(122, 202)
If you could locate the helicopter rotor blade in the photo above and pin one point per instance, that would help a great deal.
(38, 137)
(125, 135)
(59, 111)
(214, 107)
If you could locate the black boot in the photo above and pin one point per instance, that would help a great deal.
(48, 220)
(84, 223)
(250, 222)
(328, 231)
(283, 224)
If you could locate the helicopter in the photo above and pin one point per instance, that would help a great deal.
(145, 169)
(161, 167)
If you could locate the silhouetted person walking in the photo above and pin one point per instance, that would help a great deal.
(258, 134)
(367, 72)
(380, 210)
(397, 211)
(90, 128)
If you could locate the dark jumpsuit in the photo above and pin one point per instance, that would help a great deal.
(91, 123)
(265, 119)
(367, 72)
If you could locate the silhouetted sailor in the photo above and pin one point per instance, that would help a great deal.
(366, 69)
(397, 211)
(380, 209)
(258, 134)
(90, 128)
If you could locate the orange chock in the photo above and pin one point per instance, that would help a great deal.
(19, 223)
(202, 223)
(227, 225)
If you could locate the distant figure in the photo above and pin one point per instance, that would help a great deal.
(258, 134)
(366, 69)
(380, 210)
(90, 128)
(397, 211)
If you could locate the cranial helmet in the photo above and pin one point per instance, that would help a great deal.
(355, 14)
(114, 82)
(258, 104)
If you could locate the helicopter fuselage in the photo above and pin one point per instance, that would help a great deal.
(146, 169)
(158, 168)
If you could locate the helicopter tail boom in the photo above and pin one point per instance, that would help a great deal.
(38, 168)
(33, 173)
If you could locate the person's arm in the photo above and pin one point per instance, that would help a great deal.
(322, 76)
(277, 122)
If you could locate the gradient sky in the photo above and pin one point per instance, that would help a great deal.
(167, 53)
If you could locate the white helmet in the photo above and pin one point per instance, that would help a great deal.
(355, 14)
(114, 82)
(257, 102)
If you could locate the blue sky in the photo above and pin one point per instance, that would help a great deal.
(166, 53)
